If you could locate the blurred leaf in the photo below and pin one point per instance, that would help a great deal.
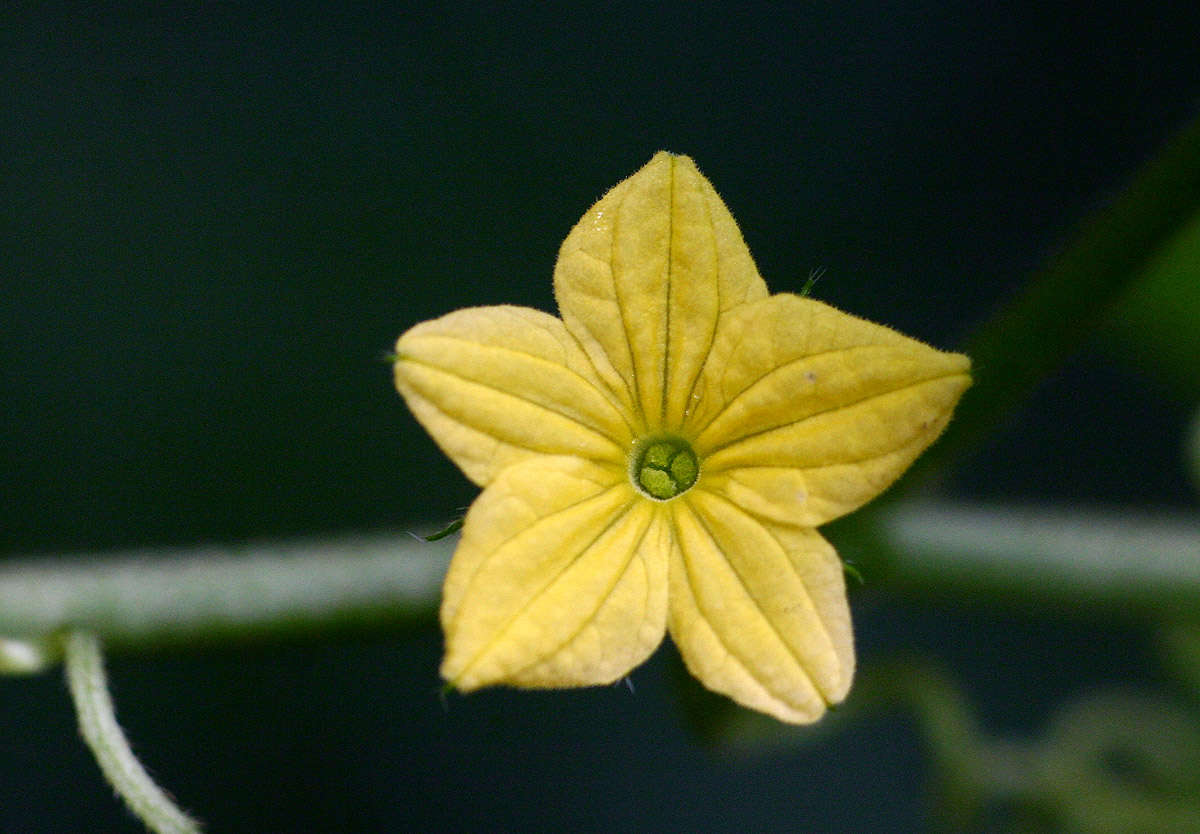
(1141, 232)
(1180, 646)
(1117, 762)
(1158, 319)
(1192, 450)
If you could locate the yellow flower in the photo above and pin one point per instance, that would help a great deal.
(657, 460)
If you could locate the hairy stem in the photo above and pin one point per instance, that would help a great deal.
(1134, 562)
(1139, 564)
(84, 663)
(270, 589)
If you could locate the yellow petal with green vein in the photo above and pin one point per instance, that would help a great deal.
(804, 413)
(560, 579)
(497, 385)
(642, 279)
(758, 610)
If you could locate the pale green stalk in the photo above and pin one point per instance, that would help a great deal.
(1142, 564)
(134, 599)
(84, 663)
(1137, 562)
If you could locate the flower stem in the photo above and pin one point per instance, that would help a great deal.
(84, 664)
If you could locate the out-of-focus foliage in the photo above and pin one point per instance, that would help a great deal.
(1156, 323)
(1108, 760)
(1192, 450)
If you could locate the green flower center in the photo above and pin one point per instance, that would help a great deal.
(664, 467)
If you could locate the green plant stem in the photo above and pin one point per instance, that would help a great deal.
(1134, 563)
(84, 664)
(144, 598)
(1140, 564)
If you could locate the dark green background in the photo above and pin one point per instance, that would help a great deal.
(216, 219)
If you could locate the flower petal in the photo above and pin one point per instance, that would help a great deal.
(642, 279)
(497, 385)
(805, 413)
(560, 579)
(758, 610)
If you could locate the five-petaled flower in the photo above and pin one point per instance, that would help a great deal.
(658, 458)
